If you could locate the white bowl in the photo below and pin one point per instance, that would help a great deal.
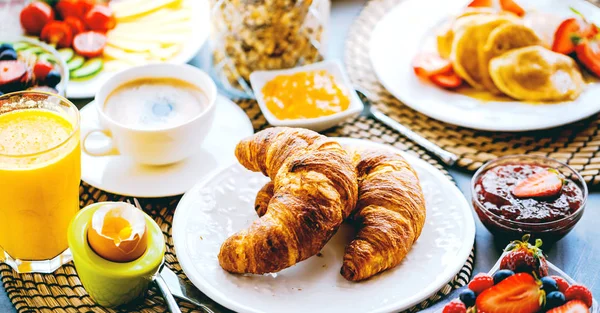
(258, 79)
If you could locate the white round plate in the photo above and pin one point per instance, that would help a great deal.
(120, 175)
(81, 89)
(410, 28)
(223, 204)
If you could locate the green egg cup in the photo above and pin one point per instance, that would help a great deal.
(109, 283)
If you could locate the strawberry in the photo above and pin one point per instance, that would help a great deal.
(481, 282)
(543, 184)
(524, 257)
(519, 293)
(455, 307)
(480, 3)
(574, 306)
(562, 283)
(579, 292)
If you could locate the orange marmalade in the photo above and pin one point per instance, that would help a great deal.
(305, 95)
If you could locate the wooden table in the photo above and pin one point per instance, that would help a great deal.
(578, 254)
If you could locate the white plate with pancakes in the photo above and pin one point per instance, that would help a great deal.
(223, 204)
(410, 28)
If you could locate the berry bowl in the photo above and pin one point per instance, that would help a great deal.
(528, 194)
(521, 281)
(29, 64)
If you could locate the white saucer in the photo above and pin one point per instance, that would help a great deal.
(120, 175)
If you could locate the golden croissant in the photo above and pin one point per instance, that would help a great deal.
(314, 189)
(389, 215)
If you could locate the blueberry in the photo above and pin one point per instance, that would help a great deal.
(52, 79)
(554, 300)
(549, 284)
(468, 297)
(502, 275)
(8, 55)
(6, 46)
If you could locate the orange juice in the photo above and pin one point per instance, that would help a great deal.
(40, 170)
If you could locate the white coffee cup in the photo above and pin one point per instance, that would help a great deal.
(155, 146)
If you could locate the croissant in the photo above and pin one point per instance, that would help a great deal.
(314, 189)
(389, 215)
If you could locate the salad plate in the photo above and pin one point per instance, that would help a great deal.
(411, 28)
(222, 204)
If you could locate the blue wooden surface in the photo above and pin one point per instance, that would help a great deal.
(578, 254)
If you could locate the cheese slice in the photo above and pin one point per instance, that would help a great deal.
(133, 58)
(163, 39)
(167, 53)
(112, 65)
(132, 46)
(128, 9)
(144, 28)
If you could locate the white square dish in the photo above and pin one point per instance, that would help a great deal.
(259, 78)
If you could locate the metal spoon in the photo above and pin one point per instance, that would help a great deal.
(371, 112)
(159, 281)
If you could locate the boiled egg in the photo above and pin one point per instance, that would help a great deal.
(118, 232)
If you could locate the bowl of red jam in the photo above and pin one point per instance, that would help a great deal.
(519, 194)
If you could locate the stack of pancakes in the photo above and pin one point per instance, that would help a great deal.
(495, 51)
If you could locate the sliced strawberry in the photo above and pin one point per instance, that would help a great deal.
(11, 71)
(447, 80)
(561, 283)
(570, 32)
(519, 293)
(481, 282)
(543, 184)
(588, 53)
(428, 64)
(575, 306)
(512, 6)
(579, 292)
(480, 3)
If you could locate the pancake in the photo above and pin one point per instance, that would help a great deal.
(445, 34)
(535, 73)
(468, 40)
(501, 40)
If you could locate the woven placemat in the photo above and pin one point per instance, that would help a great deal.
(576, 144)
(62, 292)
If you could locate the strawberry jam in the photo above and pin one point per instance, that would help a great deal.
(494, 193)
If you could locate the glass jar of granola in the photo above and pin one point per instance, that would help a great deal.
(251, 35)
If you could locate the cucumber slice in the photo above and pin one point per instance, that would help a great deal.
(89, 68)
(75, 63)
(66, 54)
(18, 46)
(34, 50)
(47, 57)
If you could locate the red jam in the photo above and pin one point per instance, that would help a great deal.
(493, 191)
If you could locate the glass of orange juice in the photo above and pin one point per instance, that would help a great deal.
(40, 171)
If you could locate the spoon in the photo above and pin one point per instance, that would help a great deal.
(371, 112)
(159, 281)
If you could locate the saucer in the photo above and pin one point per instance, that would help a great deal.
(120, 175)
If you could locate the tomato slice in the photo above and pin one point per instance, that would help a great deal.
(89, 44)
(571, 30)
(588, 53)
(428, 64)
(512, 6)
(75, 24)
(58, 33)
(100, 18)
(447, 80)
(480, 3)
(35, 16)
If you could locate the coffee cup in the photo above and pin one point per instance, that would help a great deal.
(148, 139)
